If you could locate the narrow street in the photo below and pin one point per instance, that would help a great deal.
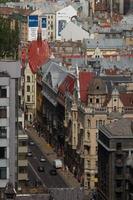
(46, 179)
(66, 178)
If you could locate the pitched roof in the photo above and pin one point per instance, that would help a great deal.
(84, 80)
(119, 128)
(127, 99)
(67, 84)
(58, 73)
(38, 53)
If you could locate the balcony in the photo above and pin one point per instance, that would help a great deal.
(22, 163)
(22, 176)
(22, 149)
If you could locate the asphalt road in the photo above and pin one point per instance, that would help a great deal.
(50, 181)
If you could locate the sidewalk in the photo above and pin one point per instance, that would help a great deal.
(51, 155)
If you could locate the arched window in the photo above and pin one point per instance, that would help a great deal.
(28, 88)
(28, 78)
(89, 123)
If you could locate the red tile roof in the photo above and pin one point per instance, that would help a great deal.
(127, 99)
(67, 84)
(84, 80)
(9, 11)
(38, 53)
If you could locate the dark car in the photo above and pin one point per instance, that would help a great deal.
(41, 169)
(53, 172)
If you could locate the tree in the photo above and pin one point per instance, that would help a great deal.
(9, 39)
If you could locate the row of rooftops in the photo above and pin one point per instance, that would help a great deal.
(61, 81)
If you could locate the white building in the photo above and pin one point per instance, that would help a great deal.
(73, 32)
(63, 16)
(9, 75)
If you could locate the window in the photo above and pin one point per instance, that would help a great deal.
(89, 123)
(114, 108)
(3, 132)
(22, 143)
(97, 87)
(28, 88)
(97, 100)
(22, 170)
(32, 98)
(3, 92)
(90, 100)
(118, 146)
(97, 124)
(89, 163)
(3, 112)
(100, 122)
(2, 172)
(88, 135)
(22, 156)
(28, 78)
(32, 88)
(2, 152)
(28, 98)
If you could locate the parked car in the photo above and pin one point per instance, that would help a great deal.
(42, 159)
(29, 154)
(57, 163)
(31, 143)
(53, 172)
(41, 169)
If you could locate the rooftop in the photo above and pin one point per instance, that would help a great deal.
(119, 128)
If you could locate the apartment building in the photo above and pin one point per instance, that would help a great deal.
(115, 160)
(73, 107)
(9, 75)
(29, 94)
(98, 101)
(22, 137)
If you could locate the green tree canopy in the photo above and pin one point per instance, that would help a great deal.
(9, 39)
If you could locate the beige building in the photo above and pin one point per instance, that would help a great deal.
(103, 100)
(30, 94)
(49, 13)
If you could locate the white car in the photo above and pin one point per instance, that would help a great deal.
(31, 143)
(29, 154)
(57, 163)
(42, 159)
